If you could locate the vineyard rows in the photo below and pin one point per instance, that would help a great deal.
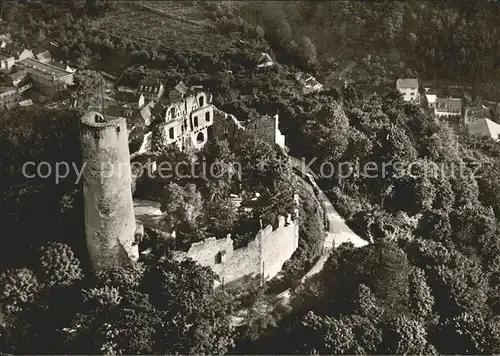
(172, 34)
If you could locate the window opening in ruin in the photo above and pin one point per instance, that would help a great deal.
(202, 99)
(220, 257)
(207, 116)
(196, 121)
(200, 138)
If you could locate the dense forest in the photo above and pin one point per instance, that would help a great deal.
(446, 40)
(427, 284)
(432, 269)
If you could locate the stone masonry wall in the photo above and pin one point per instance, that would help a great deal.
(109, 210)
(264, 255)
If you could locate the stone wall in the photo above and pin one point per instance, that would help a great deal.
(226, 126)
(264, 255)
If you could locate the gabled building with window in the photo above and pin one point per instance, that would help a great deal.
(151, 88)
(189, 118)
(484, 127)
(48, 80)
(476, 112)
(308, 82)
(409, 89)
(448, 107)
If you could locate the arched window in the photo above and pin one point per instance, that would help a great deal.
(172, 112)
(201, 101)
(207, 116)
(200, 138)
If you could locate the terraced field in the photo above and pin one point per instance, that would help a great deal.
(145, 24)
(180, 9)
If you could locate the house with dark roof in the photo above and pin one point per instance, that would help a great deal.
(476, 112)
(48, 80)
(152, 88)
(19, 52)
(63, 66)
(409, 89)
(129, 99)
(448, 107)
(308, 82)
(484, 127)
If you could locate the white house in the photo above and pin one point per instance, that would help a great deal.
(409, 89)
(265, 60)
(308, 82)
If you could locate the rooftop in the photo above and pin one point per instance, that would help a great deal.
(181, 88)
(43, 67)
(4, 56)
(407, 83)
(127, 97)
(484, 127)
(431, 98)
(478, 112)
(6, 89)
(44, 56)
(150, 84)
(449, 103)
(18, 75)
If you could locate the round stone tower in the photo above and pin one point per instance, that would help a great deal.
(109, 208)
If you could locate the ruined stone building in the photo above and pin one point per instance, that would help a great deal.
(189, 116)
(110, 225)
(266, 128)
(263, 257)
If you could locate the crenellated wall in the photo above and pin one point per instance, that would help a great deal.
(264, 255)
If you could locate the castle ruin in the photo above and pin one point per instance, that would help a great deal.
(110, 224)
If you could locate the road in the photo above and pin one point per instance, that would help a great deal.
(337, 231)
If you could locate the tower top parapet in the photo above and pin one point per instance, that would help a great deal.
(98, 120)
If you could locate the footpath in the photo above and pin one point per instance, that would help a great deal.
(337, 231)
